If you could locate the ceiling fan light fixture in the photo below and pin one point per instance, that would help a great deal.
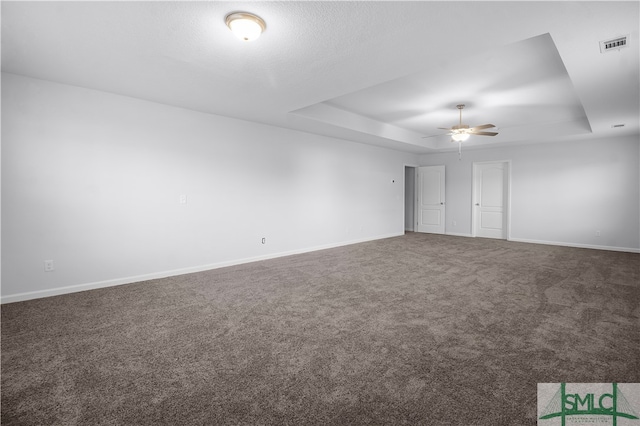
(460, 137)
(245, 26)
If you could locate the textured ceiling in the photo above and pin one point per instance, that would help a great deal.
(383, 73)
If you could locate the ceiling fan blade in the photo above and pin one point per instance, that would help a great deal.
(484, 133)
(483, 126)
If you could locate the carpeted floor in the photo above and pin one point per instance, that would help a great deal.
(420, 329)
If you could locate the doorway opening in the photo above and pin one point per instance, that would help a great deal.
(409, 198)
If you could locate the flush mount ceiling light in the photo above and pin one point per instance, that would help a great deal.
(245, 26)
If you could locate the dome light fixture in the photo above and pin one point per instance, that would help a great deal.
(246, 26)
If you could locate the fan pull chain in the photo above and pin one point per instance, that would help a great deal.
(459, 151)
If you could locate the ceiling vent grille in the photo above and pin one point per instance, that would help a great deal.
(613, 44)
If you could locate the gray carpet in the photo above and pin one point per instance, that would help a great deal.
(419, 329)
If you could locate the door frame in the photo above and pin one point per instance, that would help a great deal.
(507, 204)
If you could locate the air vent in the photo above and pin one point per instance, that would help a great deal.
(613, 44)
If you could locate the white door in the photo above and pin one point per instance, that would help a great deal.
(490, 192)
(430, 200)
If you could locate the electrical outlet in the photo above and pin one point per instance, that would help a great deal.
(454, 223)
(597, 233)
(48, 266)
(264, 240)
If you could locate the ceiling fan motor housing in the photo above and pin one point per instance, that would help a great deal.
(460, 127)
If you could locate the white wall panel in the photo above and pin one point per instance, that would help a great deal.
(93, 181)
(561, 193)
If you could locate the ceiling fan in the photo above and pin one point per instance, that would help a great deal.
(461, 132)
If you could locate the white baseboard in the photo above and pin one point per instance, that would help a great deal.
(164, 274)
(577, 245)
(558, 243)
(458, 234)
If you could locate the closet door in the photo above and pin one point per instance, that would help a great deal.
(431, 201)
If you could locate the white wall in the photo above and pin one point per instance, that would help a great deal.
(92, 181)
(561, 193)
